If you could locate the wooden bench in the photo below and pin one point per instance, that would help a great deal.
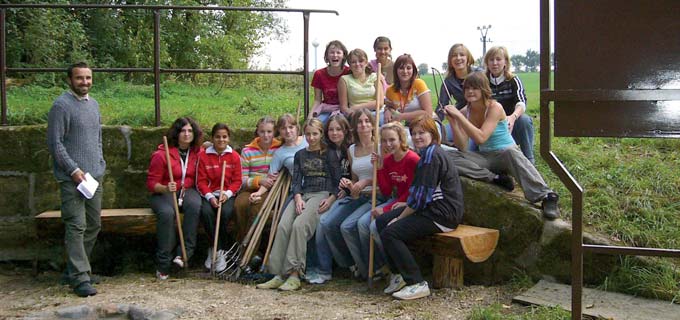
(135, 221)
(449, 248)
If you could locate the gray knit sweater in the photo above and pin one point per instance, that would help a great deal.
(74, 137)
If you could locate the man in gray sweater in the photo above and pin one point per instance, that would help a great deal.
(74, 139)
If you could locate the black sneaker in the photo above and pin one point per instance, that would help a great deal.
(504, 181)
(549, 206)
(66, 280)
(85, 289)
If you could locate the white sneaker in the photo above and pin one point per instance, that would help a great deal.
(414, 291)
(221, 261)
(208, 260)
(396, 283)
(178, 261)
(319, 278)
(162, 276)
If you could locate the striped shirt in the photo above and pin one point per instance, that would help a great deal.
(255, 163)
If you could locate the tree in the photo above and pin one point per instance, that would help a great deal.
(422, 69)
(445, 66)
(517, 62)
(532, 60)
(124, 38)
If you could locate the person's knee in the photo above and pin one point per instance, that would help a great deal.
(348, 228)
(301, 226)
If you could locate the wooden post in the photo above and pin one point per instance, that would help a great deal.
(447, 272)
(374, 191)
(174, 198)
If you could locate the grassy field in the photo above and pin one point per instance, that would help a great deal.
(632, 185)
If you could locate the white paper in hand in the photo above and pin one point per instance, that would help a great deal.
(88, 187)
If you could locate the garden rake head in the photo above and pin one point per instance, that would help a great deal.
(233, 258)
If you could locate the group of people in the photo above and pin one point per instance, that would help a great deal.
(329, 217)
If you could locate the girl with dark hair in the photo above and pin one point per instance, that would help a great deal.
(184, 142)
(484, 121)
(340, 225)
(409, 97)
(314, 186)
(325, 81)
(210, 162)
(338, 138)
(383, 55)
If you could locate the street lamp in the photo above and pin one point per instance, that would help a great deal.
(315, 43)
(484, 30)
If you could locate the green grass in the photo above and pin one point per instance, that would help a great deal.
(497, 312)
(632, 186)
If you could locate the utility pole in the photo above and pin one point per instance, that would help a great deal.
(315, 43)
(484, 30)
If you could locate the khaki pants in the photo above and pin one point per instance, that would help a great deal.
(289, 252)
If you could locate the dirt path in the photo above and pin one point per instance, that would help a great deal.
(194, 297)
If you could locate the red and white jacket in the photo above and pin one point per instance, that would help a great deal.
(158, 168)
(210, 172)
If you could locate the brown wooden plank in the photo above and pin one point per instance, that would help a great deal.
(105, 213)
(133, 221)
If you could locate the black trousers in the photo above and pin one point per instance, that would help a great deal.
(166, 227)
(395, 236)
(209, 219)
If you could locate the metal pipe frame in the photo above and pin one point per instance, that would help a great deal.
(156, 70)
(548, 95)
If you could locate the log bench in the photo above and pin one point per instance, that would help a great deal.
(135, 221)
(450, 248)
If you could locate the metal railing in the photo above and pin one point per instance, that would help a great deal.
(593, 96)
(156, 69)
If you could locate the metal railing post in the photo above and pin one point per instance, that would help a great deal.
(157, 65)
(305, 59)
(3, 68)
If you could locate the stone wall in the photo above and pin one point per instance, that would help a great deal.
(28, 187)
(527, 244)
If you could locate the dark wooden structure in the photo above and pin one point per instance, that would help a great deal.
(617, 74)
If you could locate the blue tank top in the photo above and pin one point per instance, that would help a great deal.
(500, 138)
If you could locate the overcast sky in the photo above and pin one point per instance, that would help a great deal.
(426, 29)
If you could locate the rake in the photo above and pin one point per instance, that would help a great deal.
(239, 255)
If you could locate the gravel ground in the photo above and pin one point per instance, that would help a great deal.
(195, 297)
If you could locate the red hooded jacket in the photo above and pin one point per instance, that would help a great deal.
(158, 168)
(210, 171)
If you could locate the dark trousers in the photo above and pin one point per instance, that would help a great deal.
(82, 222)
(166, 228)
(395, 236)
(209, 219)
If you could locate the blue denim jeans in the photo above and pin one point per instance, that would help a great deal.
(350, 233)
(523, 133)
(368, 229)
(329, 241)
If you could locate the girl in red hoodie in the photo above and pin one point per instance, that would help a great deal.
(184, 142)
(209, 177)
